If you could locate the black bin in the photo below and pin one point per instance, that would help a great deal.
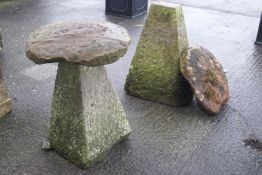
(126, 8)
(259, 34)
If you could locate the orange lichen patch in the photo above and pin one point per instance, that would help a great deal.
(206, 77)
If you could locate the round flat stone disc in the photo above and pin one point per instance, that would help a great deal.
(89, 43)
(206, 77)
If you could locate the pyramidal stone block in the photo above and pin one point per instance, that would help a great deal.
(5, 100)
(154, 73)
(87, 116)
(1, 41)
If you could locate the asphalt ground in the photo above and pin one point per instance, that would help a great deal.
(165, 140)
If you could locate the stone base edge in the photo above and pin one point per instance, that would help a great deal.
(5, 107)
(97, 160)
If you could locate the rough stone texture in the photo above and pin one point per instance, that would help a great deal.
(211, 146)
(87, 116)
(206, 77)
(1, 41)
(5, 100)
(154, 72)
(84, 42)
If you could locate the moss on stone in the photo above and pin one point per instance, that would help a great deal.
(211, 77)
(66, 127)
(87, 116)
(206, 77)
(1, 40)
(154, 73)
(208, 94)
(5, 100)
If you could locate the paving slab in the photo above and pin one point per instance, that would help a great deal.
(165, 140)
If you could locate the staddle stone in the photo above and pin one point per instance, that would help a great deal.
(206, 77)
(87, 116)
(5, 100)
(154, 72)
(86, 42)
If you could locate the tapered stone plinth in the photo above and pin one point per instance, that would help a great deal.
(5, 100)
(87, 116)
(154, 72)
(1, 41)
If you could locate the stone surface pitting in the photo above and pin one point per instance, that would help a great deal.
(87, 116)
(222, 152)
(154, 72)
(206, 77)
(84, 42)
(5, 100)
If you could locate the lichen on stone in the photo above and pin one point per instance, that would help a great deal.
(5, 100)
(87, 116)
(154, 73)
(1, 40)
(211, 77)
(206, 77)
(85, 42)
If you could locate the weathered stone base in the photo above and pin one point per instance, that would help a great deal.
(5, 107)
(154, 72)
(87, 116)
(5, 100)
(1, 41)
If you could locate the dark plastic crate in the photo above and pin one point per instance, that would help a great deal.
(126, 8)
(259, 34)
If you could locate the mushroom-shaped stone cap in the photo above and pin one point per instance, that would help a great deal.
(206, 77)
(89, 43)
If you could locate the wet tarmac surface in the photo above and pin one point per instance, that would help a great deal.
(165, 140)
